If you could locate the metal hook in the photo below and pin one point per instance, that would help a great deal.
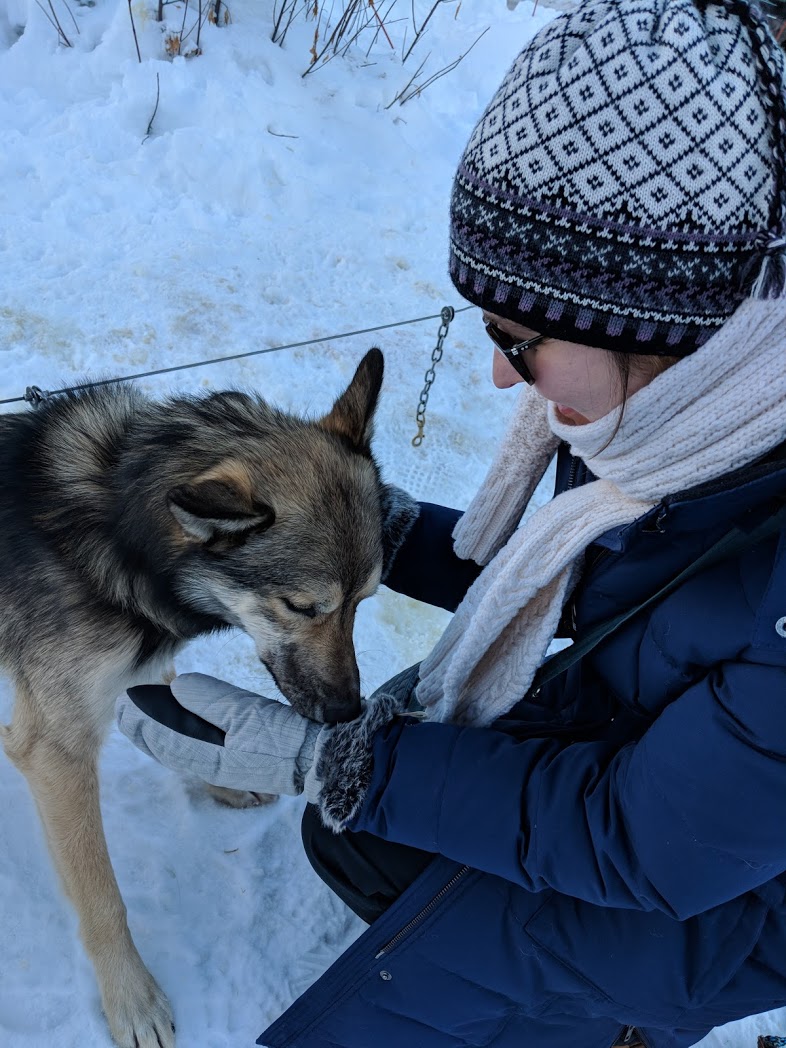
(36, 396)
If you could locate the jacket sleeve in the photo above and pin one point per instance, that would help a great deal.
(691, 815)
(426, 567)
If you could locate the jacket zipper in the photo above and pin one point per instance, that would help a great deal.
(416, 920)
(656, 526)
(628, 1034)
(629, 1031)
(574, 468)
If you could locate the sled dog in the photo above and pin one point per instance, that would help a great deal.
(129, 527)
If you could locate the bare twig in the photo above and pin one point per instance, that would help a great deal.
(155, 110)
(404, 95)
(57, 22)
(419, 32)
(71, 13)
(279, 134)
(54, 21)
(340, 24)
(352, 22)
(288, 10)
(133, 27)
(48, 16)
(386, 21)
(203, 13)
(381, 24)
(411, 80)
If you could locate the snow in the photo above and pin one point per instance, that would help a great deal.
(257, 208)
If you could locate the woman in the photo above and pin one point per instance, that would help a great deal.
(592, 850)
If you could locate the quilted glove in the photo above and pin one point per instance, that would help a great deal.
(234, 738)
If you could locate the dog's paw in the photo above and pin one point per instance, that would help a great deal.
(240, 798)
(138, 1012)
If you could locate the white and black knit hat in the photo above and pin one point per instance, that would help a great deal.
(626, 186)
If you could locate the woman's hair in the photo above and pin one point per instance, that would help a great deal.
(628, 364)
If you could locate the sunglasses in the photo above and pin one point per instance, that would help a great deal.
(512, 349)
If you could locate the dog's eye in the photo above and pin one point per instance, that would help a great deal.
(310, 612)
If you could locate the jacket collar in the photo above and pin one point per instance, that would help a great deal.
(755, 490)
(755, 487)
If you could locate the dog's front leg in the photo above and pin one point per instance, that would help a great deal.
(62, 774)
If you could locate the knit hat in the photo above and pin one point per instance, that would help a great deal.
(626, 186)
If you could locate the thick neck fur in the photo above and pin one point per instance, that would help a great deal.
(85, 485)
(96, 468)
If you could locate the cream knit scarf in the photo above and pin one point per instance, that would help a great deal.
(713, 412)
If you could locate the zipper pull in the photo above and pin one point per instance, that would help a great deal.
(656, 526)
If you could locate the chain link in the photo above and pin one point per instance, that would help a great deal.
(447, 314)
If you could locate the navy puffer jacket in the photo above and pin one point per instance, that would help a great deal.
(613, 852)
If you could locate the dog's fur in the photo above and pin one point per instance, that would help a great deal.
(129, 527)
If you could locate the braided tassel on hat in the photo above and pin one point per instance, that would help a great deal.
(770, 282)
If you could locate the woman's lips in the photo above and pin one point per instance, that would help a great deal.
(570, 414)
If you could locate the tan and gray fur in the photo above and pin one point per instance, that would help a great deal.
(128, 528)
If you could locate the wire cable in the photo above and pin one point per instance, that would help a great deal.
(34, 395)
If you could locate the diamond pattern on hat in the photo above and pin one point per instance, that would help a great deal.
(576, 101)
(621, 178)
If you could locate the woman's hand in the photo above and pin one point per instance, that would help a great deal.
(225, 735)
(233, 738)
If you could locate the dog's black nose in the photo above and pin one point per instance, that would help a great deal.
(339, 714)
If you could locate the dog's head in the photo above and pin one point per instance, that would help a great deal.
(283, 536)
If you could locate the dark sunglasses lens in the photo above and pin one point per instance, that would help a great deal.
(518, 363)
(505, 343)
(501, 339)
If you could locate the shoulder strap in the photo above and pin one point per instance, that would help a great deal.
(732, 542)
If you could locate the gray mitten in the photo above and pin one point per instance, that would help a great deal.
(234, 738)
(225, 735)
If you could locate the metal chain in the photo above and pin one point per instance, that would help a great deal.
(447, 314)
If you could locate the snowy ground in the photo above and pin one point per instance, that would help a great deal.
(259, 208)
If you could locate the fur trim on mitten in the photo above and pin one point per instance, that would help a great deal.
(343, 762)
(400, 512)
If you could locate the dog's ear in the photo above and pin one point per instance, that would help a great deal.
(352, 416)
(211, 509)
